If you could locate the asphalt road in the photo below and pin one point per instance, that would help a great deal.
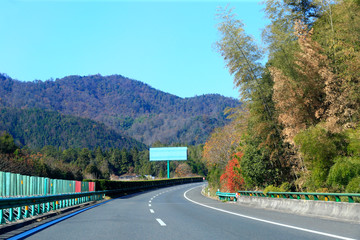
(181, 212)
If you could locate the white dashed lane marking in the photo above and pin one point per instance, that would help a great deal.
(161, 222)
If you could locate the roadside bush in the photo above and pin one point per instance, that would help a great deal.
(354, 185)
(213, 178)
(319, 148)
(272, 188)
(285, 187)
(343, 171)
(354, 141)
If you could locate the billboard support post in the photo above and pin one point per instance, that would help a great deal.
(168, 169)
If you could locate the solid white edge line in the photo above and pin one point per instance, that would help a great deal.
(266, 221)
(160, 222)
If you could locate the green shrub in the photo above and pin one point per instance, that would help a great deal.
(272, 188)
(319, 149)
(286, 187)
(354, 185)
(255, 167)
(343, 171)
(319, 146)
(354, 141)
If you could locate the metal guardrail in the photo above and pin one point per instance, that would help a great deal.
(12, 209)
(227, 196)
(289, 195)
(17, 208)
(303, 195)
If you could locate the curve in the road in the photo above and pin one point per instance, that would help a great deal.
(181, 212)
(266, 221)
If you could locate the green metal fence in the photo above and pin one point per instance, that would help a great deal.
(17, 185)
(338, 197)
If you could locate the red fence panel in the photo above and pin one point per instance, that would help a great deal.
(91, 186)
(77, 186)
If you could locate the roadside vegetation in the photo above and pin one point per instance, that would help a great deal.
(298, 128)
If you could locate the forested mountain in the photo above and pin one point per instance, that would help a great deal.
(36, 128)
(126, 105)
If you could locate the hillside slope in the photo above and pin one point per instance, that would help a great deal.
(36, 128)
(125, 105)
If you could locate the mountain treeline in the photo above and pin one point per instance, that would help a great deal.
(84, 163)
(125, 105)
(298, 129)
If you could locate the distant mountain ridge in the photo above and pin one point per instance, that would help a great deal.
(125, 105)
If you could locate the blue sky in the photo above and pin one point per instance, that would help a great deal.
(166, 44)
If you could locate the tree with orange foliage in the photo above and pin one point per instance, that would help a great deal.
(183, 170)
(231, 180)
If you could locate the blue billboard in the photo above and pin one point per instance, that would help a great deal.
(168, 154)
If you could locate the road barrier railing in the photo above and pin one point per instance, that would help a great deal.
(337, 197)
(252, 193)
(17, 208)
(12, 209)
(224, 196)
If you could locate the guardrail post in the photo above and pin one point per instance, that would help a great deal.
(351, 199)
(38, 209)
(26, 214)
(2, 219)
(33, 210)
(19, 215)
(11, 215)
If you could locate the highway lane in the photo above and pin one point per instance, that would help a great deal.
(175, 213)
